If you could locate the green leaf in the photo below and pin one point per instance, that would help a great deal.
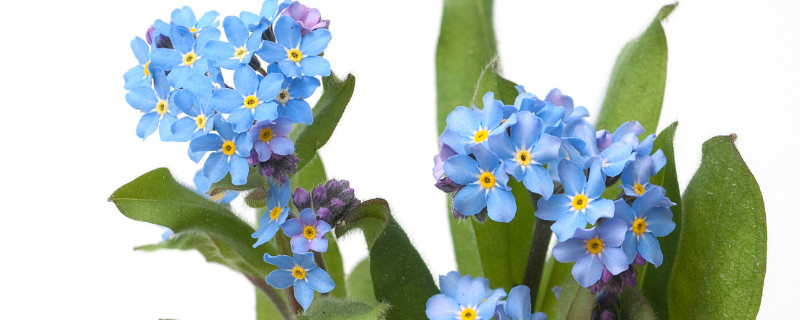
(466, 46)
(491, 80)
(157, 198)
(399, 275)
(254, 181)
(634, 306)
(311, 175)
(652, 281)
(213, 251)
(265, 309)
(337, 309)
(722, 252)
(335, 267)
(555, 274)
(327, 112)
(576, 301)
(636, 88)
(359, 283)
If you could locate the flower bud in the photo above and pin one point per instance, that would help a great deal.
(301, 199)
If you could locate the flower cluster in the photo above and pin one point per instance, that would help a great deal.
(468, 299)
(566, 164)
(180, 87)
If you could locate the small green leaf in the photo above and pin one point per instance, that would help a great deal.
(634, 306)
(335, 266)
(311, 175)
(636, 88)
(338, 309)
(652, 281)
(722, 252)
(157, 198)
(576, 301)
(359, 283)
(399, 275)
(327, 112)
(491, 81)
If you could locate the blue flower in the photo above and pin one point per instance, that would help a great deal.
(524, 152)
(291, 99)
(269, 10)
(646, 221)
(594, 249)
(307, 232)
(518, 306)
(156, 105)
(199, 120)
(186, 57)
(252, 98)
(270, 137)
(240, 46)
(230, 151)
(297, 55)
(466, 298)
(139, 76)
(184, 17)
(276, 214)
(484, 184)
(613, 158)
(466, 128)
(300, 272)
(202, 185)
(636, 176)
(579, 204)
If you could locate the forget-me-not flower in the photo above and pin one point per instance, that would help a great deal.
(646, 220)
(467, 299)
(230, 152)
(156, 103)
(276, 214)
(468, 127)
(252, 99)
(594, 249)
(240, 47)
(297, 55)
(291, 98)
(302, 273)
(485, 185)
(270, 137)
(307, 232)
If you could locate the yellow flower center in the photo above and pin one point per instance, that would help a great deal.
(579, 202)
(298, 273)
(639, 226)
(283, 97)
(189, 58)
(162, 107)
(480, 136)
(523, 157)
(250, 102)
(639, 188)
(275, 213)
(294, 55)
(468, 314)
(240, 53)
(309, 232)
(192, 30)
(228, 148)
(487, 180)
(594, 245)
(147, 68)
(200, 121)
(265, 135)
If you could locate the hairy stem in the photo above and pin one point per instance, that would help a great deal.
(272, 295)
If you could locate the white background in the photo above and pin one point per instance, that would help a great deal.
(70, 140)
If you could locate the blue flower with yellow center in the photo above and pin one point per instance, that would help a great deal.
(579, 204)
(229, 152)
(525, 150)
(269, 11)
(485, 184)
(157, 103)
(291, 99)
(270, 137)
(468, 127)
(139, 76)
(307, 232)
(612, 158)
(465, 299)
(594, 249)
(186, 56)
(199, 119)
(636, 176)
(240, 46)
(646, 220)
(185, 17)
(251, 100)
(276, 214)
(302, 273)
(296, 55)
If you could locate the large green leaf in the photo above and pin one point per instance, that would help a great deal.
(636, 88)
(265, 308)
(634, 306)
(327, 112)
(399, 275)
(466, 46)
(335, 267)
(555, 274)
(576, 302)
(722, 252)
(254, 181)
(213, 251)
(359, 283)
(652, 281)
(338, 309)
(157, 198)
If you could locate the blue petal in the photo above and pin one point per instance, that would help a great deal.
(572, 177)
(289, 68)
(629, 246)
(455, 141)
(299, 111)
(599, 208)
(224, 129)
(204, 37)
(216, 167)
(546, 149)
(470, 292)
(292, 227)
(537, 180)
(462, 169)
(303, 87)
(518, 303)
(305, 260)
(265, 231)
(448, 282)
(487, 160)
(208, 142)
(649, 249)
(647, 201)
(300, 244)
(319, 280)
(501, 145)
(147, 124)
(245, 80)
(140, 50)
(142, 98)
(615, 260)
(226, 100)
(271, 52)
(315, 66)
(612, 232)
(165, 127)
(235, 31)
(303, 293)
(623, 212)
(280, 279)
(564, 228)
(281, 261)
(243, 145)
(487, 307)
(587, 270)
(182, 39)
(183, 17)
(525, 133)
(596, 182)
(218, 50)
(570, 250)
(659, 221)
(307, 217)
(269, 87)
(282, 145)
(470, 200)
(553, 208)
(207, 19)
(160, 83)
(501, 205)
(239, 170)
(463, 121)
(241, 119)
(315, 42)
(441, 307)
(287, 33)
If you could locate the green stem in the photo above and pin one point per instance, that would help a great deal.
(538, 252)
(272, 295)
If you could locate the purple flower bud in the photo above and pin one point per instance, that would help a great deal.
(629, 277)
(639, 260)
(445, 152)
(604, 139)
(323, 213)
(332, 184)
(149, 36)
(336, 203)
(278, 167)
(607, 315)
(318, 194)
(301, 199)
(307, 19)
(447, 185)
(606, 275)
